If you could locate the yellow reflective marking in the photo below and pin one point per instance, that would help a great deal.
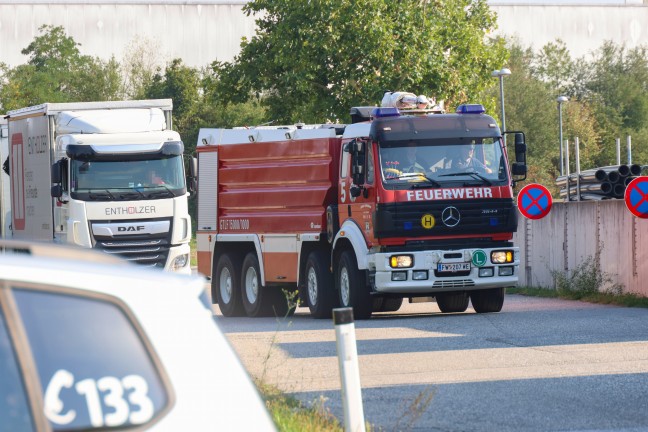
(427, 221)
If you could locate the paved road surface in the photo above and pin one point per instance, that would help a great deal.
(540, 365)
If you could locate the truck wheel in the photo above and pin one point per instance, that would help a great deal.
(488, 300)
(452, 302)
(260, 301)
(225, 282)
(320, 295)
(391, 304)
(351, 286)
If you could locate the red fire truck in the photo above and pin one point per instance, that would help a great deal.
(396, 205)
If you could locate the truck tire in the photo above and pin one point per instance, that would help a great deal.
(225, 283)
(390, 304)
(351, 287)
(488, 300)
(260, 301)
(452, 302)
(320, 295)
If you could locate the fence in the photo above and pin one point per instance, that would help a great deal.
(574, 231)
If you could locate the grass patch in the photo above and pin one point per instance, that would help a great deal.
(193, 256)
(629, 300)
(289, 414)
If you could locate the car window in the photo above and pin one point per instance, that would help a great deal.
(14, 408)
(94, 368)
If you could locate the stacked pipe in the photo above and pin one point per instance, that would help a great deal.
(598, 183)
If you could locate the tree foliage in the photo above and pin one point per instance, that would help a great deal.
(312, 60)
(57, 72)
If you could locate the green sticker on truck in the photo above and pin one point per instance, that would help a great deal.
(479, 258)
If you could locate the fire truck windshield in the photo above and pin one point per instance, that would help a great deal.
(435, 162)
(127, 180)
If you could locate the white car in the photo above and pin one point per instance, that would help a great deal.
(93, 345)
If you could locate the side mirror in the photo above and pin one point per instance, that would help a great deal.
(519, 167)
(57, 191)
(57, 171)
(358, 174)
(520, 148)
(355, 191)
(193, 167)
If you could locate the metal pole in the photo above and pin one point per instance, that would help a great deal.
(349, 372)
(501, 82)
(562, 163)
(578, 169)
(618, 151)
(567, 167)
(629, 146)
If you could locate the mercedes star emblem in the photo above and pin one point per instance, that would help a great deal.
(450, 216)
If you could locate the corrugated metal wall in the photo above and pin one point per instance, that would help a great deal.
(200, 32)
(577, 230)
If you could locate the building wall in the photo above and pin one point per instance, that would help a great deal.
(580, 230)
(200, 32)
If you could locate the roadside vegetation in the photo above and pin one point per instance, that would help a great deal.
(587, 282)
(290, 415)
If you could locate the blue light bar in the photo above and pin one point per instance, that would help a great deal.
(385, 112)
(471, 109)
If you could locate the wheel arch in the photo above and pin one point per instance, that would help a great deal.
(350, 237)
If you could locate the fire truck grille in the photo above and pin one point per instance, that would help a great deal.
(454, 284)
(445, 218)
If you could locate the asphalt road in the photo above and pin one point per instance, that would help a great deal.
(540, 365)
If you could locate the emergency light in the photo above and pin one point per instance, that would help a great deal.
(385, 112)
(471, 109)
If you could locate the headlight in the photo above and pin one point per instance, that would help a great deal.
(179, 262)
(399, 276)
(420, 275)
(486, 272)
(506, 271)
(401, 261)
(501, 257)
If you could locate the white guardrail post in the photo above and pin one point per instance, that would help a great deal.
(349, 371)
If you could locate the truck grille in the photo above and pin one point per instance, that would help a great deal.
(150, 250)
(454, 283)
(482, 216)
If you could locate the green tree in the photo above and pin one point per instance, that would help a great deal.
(618, 93)
(57, 72)
(312, 60)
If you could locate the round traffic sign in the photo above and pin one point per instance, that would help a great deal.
(636, 197)
(479, 258)
(534, 201)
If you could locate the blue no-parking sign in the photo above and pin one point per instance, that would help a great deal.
(534, 201)
(636, 197)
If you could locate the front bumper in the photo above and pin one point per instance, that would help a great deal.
(426, 262)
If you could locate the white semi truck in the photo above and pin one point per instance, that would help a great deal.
(102, 175)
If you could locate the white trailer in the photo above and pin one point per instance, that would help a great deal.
(103, 175)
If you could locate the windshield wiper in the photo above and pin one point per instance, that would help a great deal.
(131, 195)
(419, 185)
(166, 192)
(100, 195)
(473, 174)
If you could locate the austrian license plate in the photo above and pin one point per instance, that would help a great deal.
(453, 267)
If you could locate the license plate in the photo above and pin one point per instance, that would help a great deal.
(453, 267)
